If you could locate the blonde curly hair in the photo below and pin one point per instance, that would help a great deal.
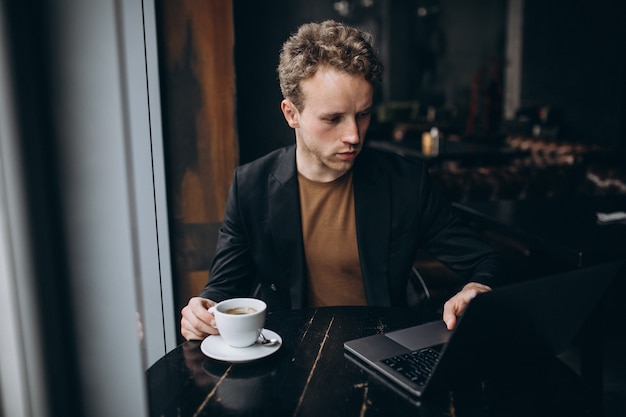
(328, 43)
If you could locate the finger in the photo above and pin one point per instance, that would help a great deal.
(455, 307)
(449, 314)
(450, 320)
(191, 335)
(202, 326)
(189, 332)
(212, 329)
(200, 307)
(196, 327)
(198, 319)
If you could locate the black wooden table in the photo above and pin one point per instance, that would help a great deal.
(310, 376)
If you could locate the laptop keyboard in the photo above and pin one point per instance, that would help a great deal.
(416, 366)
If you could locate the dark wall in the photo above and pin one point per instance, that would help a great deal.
(574, 60)
(260, 30)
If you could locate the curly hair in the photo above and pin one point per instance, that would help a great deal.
(328, 43)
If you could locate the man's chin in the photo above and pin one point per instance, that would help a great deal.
(342, 167)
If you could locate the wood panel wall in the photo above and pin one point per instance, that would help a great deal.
(196, 42)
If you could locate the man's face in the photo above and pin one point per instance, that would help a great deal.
(331, 127)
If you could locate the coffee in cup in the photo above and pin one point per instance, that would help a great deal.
(240, 320)
(241, 310)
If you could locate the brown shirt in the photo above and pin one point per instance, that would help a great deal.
(329, 232)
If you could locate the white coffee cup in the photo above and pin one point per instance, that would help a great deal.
(240, 320)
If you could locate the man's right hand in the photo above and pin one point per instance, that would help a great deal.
(196, 322)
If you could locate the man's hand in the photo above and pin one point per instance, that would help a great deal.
(196, 322)
(456, 305)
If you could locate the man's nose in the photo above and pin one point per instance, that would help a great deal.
(351, 133)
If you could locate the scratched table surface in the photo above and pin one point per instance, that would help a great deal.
(310, 376)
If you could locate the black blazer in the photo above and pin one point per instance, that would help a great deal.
(397, 209)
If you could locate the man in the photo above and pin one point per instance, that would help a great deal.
(327, 221)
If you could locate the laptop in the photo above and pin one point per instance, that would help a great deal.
(503, 328)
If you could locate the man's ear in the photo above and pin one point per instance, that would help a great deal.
(291, 113)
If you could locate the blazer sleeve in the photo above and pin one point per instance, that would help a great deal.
(232, 269)
(452, 242)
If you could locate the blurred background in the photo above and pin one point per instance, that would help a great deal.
(527, 97)
(121, 123)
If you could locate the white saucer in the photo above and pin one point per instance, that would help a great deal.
(215, 347)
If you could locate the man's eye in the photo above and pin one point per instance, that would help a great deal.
(364, 115)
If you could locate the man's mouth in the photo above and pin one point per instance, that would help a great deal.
(349, 155)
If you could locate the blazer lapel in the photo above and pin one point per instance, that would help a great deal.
(373, 213)
(285, 224)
